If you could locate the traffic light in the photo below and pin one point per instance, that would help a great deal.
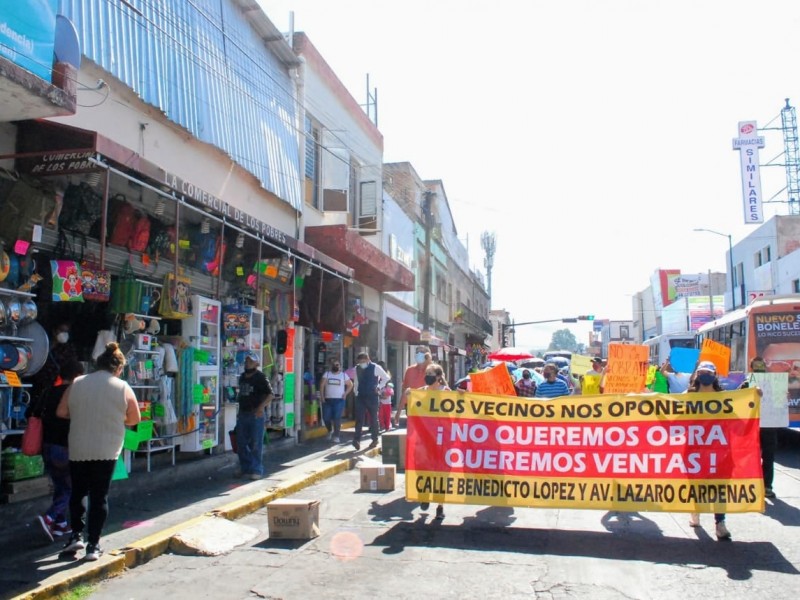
(504, 330)
(585, 317)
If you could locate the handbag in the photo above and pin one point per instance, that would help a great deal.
(126, 291)
(67, 282)
(96, 281)
(176, 301)
(32, 437)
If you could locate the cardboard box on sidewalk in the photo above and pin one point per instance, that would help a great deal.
(377, 478)
(293, 519)
(393, 448)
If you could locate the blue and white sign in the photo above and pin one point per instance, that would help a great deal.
(27, 34)
(748, 144)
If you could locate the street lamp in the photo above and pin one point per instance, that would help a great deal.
(730, 257)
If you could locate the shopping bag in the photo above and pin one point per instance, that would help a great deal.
(126, 291)
(67, 283)
(32, 437)
(176, 301)
(96, 282)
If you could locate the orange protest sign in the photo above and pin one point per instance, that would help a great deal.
(496, 380)
(633, 452)
(717, 353)
(627, 368)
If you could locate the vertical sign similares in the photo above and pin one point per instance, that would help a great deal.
(748, 144)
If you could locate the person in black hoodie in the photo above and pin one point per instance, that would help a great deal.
(55, 452)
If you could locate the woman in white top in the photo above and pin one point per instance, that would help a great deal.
(333, 389)
(99, 406)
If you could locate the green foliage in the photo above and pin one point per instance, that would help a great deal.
(79, 592)
(563, 339)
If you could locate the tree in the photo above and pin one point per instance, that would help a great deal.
(563, 339)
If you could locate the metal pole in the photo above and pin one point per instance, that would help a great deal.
(426, 301)
(730, 259)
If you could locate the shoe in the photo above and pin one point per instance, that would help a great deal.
(356, 444)
(439, 513)
(61, 529)
(47, 524)
(74, 543)
(330, 436)
(374, 444)
(768, 493)
(722, 531)
(336, 440)
(694, 520)
(425, 505)
(93, 552)
(255, 476)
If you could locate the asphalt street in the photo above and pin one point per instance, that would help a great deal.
(376, 544)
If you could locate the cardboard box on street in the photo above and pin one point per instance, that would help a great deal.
(377, 478)
(393, 448)
(293, 519)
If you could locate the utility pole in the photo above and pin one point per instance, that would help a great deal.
(489, 245)
(427, 216)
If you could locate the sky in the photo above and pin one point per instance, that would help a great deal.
(590, 136)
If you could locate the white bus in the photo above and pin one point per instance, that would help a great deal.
(661, 345)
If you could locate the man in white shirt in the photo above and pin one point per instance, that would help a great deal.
(678, 382)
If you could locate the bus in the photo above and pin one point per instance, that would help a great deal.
(769, 327)
(661, 345)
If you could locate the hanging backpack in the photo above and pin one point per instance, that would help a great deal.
(124, 223)
(162, 240)
(140, 236)
(82, 207)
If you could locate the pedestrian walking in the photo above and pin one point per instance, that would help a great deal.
(705, 380)
(255, 392)
(370, 379)
(334, 388)
(768, 437)
(99, 406)
(525, 386)
(55, 453)
(413, 378)
(552, 386)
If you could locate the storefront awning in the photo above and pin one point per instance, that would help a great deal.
(370, 265)
(50, 148)
(400, 332)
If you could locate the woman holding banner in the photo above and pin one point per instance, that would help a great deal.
(434, 380)
(705, 380)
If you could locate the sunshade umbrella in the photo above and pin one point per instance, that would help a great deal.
(510, 353)
(536, 377)
(531, 363)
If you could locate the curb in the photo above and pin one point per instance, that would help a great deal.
(144, 550)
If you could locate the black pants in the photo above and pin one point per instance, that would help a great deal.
(769, 443)
(369, 406)
(92, 478)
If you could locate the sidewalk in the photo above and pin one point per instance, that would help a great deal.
(148, 508)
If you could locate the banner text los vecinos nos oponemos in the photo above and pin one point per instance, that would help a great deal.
(647, 452)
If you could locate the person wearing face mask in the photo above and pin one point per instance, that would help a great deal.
(413, 378)
(705, 380)
(333, 389)
(434, 380)
(526, 386)
(552, 386)
(768, 435)
(370, 379)
(61, 352)
(255, 392)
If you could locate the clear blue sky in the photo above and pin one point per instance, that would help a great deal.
(591, 136)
